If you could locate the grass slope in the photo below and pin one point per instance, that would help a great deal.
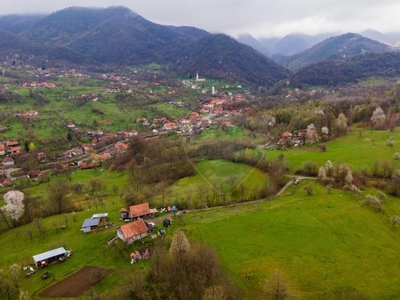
(320, 243)
(358, 149)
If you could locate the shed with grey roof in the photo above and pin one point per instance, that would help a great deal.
(90, 224)
(45, 258)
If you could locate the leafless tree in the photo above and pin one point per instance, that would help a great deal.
(214, 292)
(179, 245)
(278, 289)
(40, 226)
(58, 196)
(29, 233)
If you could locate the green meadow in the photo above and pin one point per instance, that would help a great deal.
(358, 149)
(321, 243)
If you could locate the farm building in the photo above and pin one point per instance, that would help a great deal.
(134, 231)
(89, 225)
(45, 258)
(141, 211)
(96, 221)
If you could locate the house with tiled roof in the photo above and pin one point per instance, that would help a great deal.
(8, 162)
(141, 211)
(4, 182)
(134, 231)
(2, 149)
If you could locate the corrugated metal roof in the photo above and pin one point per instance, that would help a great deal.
(103, 215)
(49, 254)
(90, 222)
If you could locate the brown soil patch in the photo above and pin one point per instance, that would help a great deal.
(76, 284)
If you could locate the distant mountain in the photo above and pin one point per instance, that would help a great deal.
(18, 23)
(333, 73)
(219, 56)
(65, 26)
(251, 41)
(119, 36)
(190, 31)
(291, 44)
(114, 35)
(335, 48)
(14, 48)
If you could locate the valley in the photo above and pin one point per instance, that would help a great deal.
(275, 181)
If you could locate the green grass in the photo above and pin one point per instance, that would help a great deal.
(320, 243)
(216, 175)
(359, 151)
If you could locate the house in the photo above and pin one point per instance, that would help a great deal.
(16, 150)
(8, 162)
(286, 135)
(2, 149)
(33, 173)
(85, 166)
(4, 182)
(89, 225)
(134, 231)
(45, 258)
(141, 211)
(41, 156)
(101, 157)
(120, 146)
(12, 143)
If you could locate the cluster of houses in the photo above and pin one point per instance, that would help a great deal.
(137, 227)
(33, 84)
(299, 138)
(212, 110)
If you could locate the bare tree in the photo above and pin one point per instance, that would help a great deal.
(179, 245)
(57, 194)
(201, 192)
(214, 292)
(55, 225)
(29, 233)
(40, 226)
(278, 288)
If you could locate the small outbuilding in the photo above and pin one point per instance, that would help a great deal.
(89, 225)
(45, 258)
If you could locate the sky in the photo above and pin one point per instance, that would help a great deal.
(260, 18)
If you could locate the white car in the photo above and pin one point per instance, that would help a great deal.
(152, 224)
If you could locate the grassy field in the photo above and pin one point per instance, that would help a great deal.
(320, 243)
(218, 174)
(358, 149)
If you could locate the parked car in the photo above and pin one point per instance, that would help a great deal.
(152, 224)
(167, 223)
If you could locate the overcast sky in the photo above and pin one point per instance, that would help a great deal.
(261, 18)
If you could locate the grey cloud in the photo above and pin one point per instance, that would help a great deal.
(258, 17)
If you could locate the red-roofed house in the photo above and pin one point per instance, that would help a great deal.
(169, 126)
(286, 134)
(120, 146)
(16, 150)
(12, 143)
(134, 231)
(5, 182)
(2, 149)
(139, 211)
